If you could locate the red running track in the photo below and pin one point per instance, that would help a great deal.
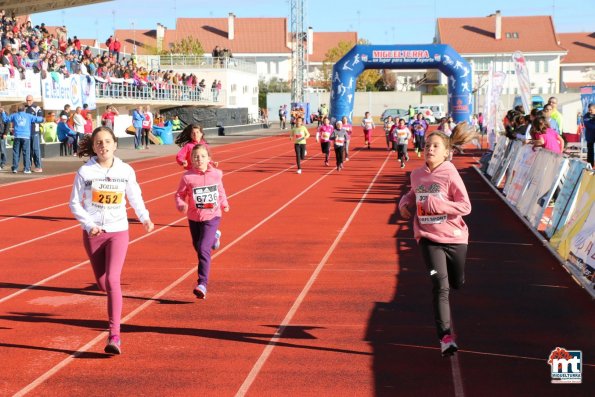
(318, 289)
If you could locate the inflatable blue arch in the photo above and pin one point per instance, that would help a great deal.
(429, 56)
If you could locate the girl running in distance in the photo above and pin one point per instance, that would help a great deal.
(298, 135)
(191, 136)
(323, 135)
(401, 135)
(347, 127)
(339, 137)
(201, 197)
(98, 202)
(388, 127)
(437, 202)
(368, 124)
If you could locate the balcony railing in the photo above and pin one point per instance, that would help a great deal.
(147, 93)
(202, 62)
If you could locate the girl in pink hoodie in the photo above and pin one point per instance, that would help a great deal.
(201, 196)
(191, 136)
(437, 202)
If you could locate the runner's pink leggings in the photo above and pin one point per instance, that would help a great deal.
(107, 253)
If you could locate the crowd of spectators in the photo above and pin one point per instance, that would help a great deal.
(25, 46)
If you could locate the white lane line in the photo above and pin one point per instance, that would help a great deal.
(55, 369)
(37, 192)
(21, 291)
(288, 317)
(146, 201)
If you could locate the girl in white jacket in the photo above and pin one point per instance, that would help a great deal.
(98, 202)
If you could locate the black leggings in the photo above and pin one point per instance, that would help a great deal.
(446, 265)
(326, 149)
(300, 153)
(145, 137)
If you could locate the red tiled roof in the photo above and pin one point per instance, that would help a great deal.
(580, 46)
(324, 41)
(579, 84)
(477, 35)
(251, 35)
(144, 39)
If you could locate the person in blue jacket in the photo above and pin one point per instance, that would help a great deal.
(66, 134)
(137, 121)
(21, 122)
(589, 123)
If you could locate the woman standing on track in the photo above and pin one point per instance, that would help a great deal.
(437, 201)
(98, 202)
(323, 135)
(191, 136)
(298, 135)
(349, 128)
(201, 196)
(368, 124)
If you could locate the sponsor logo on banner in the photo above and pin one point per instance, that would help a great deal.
(566, 365)
(401, 56)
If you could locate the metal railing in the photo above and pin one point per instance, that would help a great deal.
(148, 93)
(203, 62)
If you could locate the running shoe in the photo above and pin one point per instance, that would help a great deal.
(299, 171)
(217, 242)
(27, 171)
(200, 291)
(402, 164)
(448, 345)
(113, 345)
(37, 170)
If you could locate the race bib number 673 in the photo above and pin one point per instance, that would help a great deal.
(205, 197)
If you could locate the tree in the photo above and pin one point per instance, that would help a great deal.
(275, 84)
(369, 80)
(187, 46)
(439, 90)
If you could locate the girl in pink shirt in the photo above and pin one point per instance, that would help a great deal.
(201, 196)
(546, 136)
(349, 128)
(323, 135)
(191, 136)
(437, 202)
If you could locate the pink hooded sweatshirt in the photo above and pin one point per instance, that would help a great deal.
(437, 201)
(185, 153)
(204, 193)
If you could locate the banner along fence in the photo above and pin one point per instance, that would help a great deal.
(555, 197)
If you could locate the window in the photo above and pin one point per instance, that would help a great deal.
(536, 66)
(233, 88)
(512, 35)
(546, 66)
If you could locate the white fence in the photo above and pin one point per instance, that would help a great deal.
(531, 181)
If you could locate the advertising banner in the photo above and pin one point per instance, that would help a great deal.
(562, 239)
(498, 155)
(522, 73)
(520, 176)
(566, 199)
(58, 91)
(15, 87)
